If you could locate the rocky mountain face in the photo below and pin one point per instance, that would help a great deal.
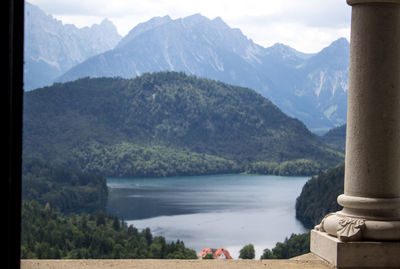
(310, 87)
(195, 45)
(51, 48)
(326, 81)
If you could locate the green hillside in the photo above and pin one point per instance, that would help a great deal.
(318, 197)
(47, 234)
(336, 138)
(64, 189)
(164, 124)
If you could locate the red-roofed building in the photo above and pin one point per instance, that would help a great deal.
(220, 254)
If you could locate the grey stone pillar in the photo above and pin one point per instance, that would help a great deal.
(370, 219)
(372, 175)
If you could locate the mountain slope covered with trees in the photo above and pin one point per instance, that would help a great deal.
(47, 234)
(336, 138)
(165, 124)
(64, 189)
(310, 87)
(318, 197)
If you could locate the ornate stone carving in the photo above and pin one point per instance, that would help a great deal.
(343, 227)
(350, 229)
(320, 227)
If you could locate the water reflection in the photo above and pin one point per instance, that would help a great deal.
(211, 211)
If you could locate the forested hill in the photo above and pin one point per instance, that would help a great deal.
(336, 138)
(165, 124)
(64, 189)
(318, 197)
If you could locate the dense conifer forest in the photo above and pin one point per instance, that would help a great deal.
(63, 218)
(295, 245)
(336, 138)
(167, 124)
(319, 195)
(47, 234)
(63, 188)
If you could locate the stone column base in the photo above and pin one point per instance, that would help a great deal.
(355, 254)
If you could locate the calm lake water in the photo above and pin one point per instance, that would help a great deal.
(215, 211)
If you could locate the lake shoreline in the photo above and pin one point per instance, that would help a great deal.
(228, 210)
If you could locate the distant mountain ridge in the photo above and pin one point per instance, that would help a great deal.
(51, 48)
(310, 87)
(167, 123)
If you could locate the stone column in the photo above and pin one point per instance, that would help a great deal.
(371, 199)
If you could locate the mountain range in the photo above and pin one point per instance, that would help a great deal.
(310, 87)
(51, 48)
(166, 124)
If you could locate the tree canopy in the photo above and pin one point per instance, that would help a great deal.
(46, 234)
(295, 245)
(247, 252)
(319, 196)
(166, 124)
(63, 188)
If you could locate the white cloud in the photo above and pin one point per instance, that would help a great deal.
(307, 25)
(298, 36)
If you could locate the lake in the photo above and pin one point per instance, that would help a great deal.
(213, 211)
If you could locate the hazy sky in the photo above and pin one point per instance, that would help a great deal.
(306, 25)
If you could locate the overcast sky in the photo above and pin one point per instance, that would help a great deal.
(306, 25)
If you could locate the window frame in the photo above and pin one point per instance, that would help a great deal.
(12, 111)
